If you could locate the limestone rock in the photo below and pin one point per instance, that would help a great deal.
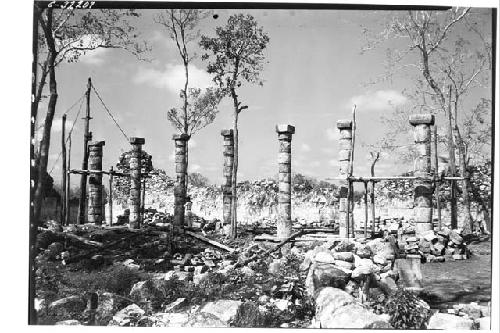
(351, 316)
(145, 290)
(429, 235)
(379, 259)
(345, 246)
(70, 322)
(344, 264)
(326, 275)
(324, 257)
(175, 305)
(223, 309)
(388, 285)
(329, 299)
(171, 319)
(343, 256)
(455, 237)
(125, 316)
(363, 251)
(106, 308)
(204, 319)
(444, 321)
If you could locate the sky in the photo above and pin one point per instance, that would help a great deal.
(313, 75)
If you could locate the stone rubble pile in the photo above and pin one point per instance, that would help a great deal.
(435, 246)
(348, 265)
(462, 317)
(343, 274)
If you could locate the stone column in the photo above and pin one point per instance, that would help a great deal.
(284, 225)
(227, 175)
(345, 143)
(181, 141)
(134, 200)
(422, 168)
(95, 212)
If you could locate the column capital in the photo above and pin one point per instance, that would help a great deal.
(136, 141)
(422, 119)
(344, 124)
(285, 129)
(227, 132)
(181, 137)
(97, 143)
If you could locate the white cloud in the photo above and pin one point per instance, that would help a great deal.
(334, 163)
(171, 157)
(332, 134)
(328, 150)
(305, 147)
(314, 164)
(94, 57)
(172, 77)
(192, 143)
(379, 100)
(194, 167)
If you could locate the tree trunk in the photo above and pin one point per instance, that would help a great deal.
(468, 225)
(452, 167)
(186, 125)
(234, 199)
(43, 154)
(436, 173)
(32, 315)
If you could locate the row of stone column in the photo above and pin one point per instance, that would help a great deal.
(423, 188)
(95, 210)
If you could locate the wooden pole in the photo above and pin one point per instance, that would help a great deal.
(436, 175)
(372, 202)
(68, 183)
(86, 138)
(375, 157)
(350, 198)
(110, 197)
(366, 209)
(143, 197)
(63, 185)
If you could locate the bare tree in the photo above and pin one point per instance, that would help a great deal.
(236, 55)
(449, 52)
(66, 35)
(198, 108)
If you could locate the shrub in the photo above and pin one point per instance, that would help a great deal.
(248, 315)
(407, 311)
